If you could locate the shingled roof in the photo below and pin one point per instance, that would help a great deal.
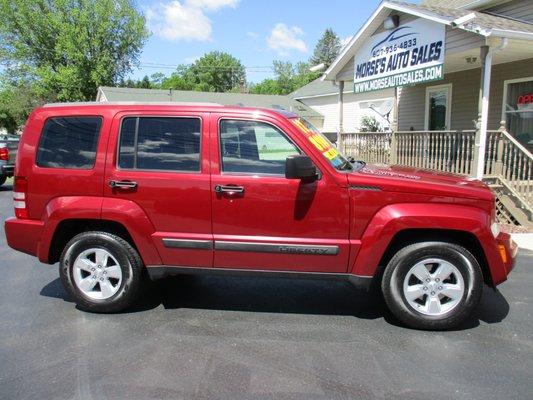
(286, 103)
(482, 23)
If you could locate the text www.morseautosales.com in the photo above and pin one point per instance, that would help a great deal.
(405, 78)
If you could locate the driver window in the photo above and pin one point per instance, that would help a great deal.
(254, 147)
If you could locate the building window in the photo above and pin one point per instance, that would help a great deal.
(518, 109)
(160, 143)
(438, 107)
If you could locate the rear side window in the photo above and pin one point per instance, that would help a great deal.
(69, 142)
(160, 143)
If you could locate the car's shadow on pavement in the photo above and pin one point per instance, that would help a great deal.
(271, 295)
(6, 188)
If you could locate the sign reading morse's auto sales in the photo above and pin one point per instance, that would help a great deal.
(409, 54)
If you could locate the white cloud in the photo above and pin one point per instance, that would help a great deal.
(184, 20)
(283, 39)
(212, 5)
(252, 35)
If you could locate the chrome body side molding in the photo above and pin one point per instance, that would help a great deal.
(282, 248)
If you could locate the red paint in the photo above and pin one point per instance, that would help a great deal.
(360, 212)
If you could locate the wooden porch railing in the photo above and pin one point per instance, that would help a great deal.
(511, 164)
(506, 160)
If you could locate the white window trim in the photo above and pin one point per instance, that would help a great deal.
(448, 87)
(505, 87)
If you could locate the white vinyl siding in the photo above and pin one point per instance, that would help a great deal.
(458, 41)
(355, 107)
(464, 108)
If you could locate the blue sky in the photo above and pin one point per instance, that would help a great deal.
(255, 31)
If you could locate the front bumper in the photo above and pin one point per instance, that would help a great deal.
(501, 257)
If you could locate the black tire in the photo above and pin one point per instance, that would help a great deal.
(129, 261)
(3, 180)
(400, 265)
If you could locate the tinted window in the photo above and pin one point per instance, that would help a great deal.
(254, 147)
(160, 143)
(69, 142)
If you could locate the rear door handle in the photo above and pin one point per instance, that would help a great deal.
(122, 184)
(230, 189)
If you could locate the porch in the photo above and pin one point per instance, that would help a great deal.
(507, 166)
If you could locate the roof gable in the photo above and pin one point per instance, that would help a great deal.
(480, 23)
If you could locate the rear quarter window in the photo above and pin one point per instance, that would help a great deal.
(69, 142)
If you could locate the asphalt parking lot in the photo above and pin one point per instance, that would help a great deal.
(215, 337)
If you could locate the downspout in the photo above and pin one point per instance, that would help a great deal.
(341, 115)
(481, 138)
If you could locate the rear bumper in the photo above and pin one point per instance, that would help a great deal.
(7, 170)
(24, 234)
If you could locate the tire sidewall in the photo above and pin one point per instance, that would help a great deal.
(410, 256)
(87, 241)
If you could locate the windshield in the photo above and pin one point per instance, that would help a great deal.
(322, 144)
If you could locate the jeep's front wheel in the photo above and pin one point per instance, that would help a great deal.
(432, 285)
(101, 271)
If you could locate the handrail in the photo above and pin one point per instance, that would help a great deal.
(516, 143)
(508, 163)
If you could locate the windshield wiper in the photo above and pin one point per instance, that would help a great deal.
(361, 163)
(346, 166)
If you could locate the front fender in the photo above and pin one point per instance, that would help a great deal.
(394, 218)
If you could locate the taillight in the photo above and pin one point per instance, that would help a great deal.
(4, 154)
(20, 190)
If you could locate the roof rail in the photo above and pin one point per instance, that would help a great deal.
(132, 103)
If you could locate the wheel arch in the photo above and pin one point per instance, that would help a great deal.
(398, 225)
(68, 228)
(464, 239)
(65, 217)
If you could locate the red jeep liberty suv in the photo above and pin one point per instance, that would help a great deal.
(119, 191)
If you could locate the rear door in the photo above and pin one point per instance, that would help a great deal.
(161, 163)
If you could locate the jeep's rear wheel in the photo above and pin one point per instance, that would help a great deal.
(3, 180)
(101, 271)
(432, 285)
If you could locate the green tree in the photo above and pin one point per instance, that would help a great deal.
(370, 124)
(288, 78)
(70, 46)
(16, 102)
(213, 72)
(327, 49)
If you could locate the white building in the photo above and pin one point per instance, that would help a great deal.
(323, 97)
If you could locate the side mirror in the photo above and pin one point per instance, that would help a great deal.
(300, 167)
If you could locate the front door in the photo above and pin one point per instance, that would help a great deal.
(438, 108)
(263, 221)
(160, 163)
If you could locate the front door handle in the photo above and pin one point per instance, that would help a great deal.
(230, 189)
(122, 184)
